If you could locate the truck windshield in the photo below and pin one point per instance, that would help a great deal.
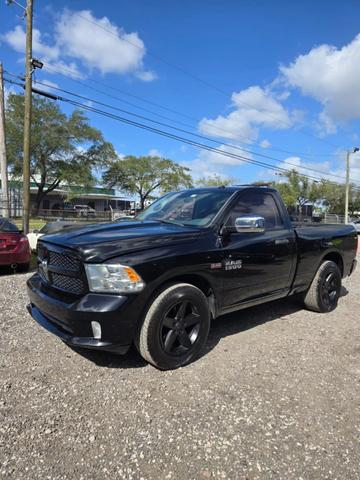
(189, 207)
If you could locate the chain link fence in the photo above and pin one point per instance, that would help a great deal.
(78, 213)
(334, 218)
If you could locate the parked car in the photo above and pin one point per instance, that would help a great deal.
(50, 227)
(84, 211)
(14, 246)
(125, 218)
(356, 224)
(194, 255)
(79, 211)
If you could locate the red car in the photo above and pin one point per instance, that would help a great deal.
(14, 246)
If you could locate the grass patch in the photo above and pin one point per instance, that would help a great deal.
(34, 224)
(33, 262)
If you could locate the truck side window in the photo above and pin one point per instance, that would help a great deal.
(259, 204)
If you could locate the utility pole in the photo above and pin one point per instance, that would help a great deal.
(4, 199)
(347, 184)
(27, 116)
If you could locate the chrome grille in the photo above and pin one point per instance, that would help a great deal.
(61, 270)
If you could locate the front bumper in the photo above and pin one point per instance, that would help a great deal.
(84, 342)
(70, 317)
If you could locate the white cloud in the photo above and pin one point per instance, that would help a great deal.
(328, 74)
(146, 75)
(70, 69)
(50, 55)
(209, 163)
(265, 143)
(16, 39)
(104, 47)
(332, 77)
(333, 170)
(109, 48)
(254, 107)
(200, 168)
(354, 166)
(217, 158)
(154, 152)
(326, 125)
(324, 169)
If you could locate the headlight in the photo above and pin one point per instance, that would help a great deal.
(113, 278)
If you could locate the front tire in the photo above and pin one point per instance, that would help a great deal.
(324, 291)
(175, 328)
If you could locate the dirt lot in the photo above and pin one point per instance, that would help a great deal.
(276, 395)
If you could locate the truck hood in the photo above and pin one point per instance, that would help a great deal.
(101, 242)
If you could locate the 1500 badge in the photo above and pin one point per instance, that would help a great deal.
(228, 265)
(233, 264)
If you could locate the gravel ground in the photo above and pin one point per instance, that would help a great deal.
(276, 395)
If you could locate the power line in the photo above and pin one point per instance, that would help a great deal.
(188, 141)
(218, 129)
(302, 154)
(125, 101)
(203, 137)
(179, 138)
(123, 92)
(171, 135)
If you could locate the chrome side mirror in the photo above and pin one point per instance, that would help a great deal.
(249, 224)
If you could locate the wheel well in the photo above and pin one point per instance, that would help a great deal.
(202, 284)
(336, 258)
(196, 280)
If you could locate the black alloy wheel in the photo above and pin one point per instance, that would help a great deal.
(175, 327)
(330, 290)
(324, 291)
(180, 328)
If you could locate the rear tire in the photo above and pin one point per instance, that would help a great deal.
(175, 328)
(23, 267)
(324, 291)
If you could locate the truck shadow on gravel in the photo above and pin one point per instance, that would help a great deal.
(243, 320)
(131, 359)
(226, 325)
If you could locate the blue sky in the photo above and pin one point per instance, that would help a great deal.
(277, 78)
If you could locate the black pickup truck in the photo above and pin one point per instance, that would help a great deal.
(158, 280)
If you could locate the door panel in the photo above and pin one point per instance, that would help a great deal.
(257, 265)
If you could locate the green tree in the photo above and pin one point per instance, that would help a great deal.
(296, 190)
(354, 204)
(214, 180)
(145, 175)
(334, 194)
(63, 148)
